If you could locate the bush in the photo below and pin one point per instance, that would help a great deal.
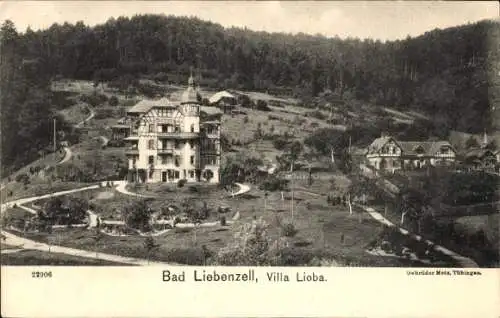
(280, 143)
(245, 119)
(262, 105)
(113, 101)
(23, 178)
(274, 184)
(193, 189)
(181, 183)
(223, 220)
(288, 230)
(182, 229)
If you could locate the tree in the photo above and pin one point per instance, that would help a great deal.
(326, 141)
(295, 150)
(137, 215)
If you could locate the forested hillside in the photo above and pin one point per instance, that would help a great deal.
(443, 72)
(27, 108)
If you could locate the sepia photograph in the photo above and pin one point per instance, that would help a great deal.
(257, 134)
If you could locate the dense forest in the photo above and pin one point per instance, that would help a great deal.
(442, 72)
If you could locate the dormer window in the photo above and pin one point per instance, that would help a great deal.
(419, 150)
(192, 128)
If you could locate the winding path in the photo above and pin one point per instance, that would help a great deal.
(92, 114)
(11, 239)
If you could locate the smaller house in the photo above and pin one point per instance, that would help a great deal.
(223, 100)
(387, 153)
(480, 159)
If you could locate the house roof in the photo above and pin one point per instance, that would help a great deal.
(146, 104)
(120, 126)
(428, 147)
(220, 95)
(410, 147)
(378, 143)
(210, 110)
(478, 153)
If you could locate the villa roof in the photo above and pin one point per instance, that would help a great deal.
(146, 104)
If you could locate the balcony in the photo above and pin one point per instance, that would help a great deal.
(178, 135)
(165, 151)
(132, 151)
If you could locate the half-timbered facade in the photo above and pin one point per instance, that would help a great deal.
(168, 142)
(387, 153)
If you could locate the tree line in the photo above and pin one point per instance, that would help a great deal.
(443, 72)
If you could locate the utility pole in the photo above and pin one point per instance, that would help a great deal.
(292, 189)
(54, 135)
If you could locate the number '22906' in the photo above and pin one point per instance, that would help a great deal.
(41, 274)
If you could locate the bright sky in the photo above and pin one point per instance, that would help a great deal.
(365, 19)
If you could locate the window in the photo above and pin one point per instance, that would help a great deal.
(176, 174)
(177, 144)
(151, 128)
(177, 128)
(192, 160)
(151, 160)
(192, 127)
(177, 161)
(151, 144)
(191, 174)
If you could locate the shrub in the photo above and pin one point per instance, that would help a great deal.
(193, 189)
(182, 229)
(273, 117)
(181, 183)
(262, 105)
(280, 143)
(223, 220)
(113, 101)
(274, 184)
(245, 119)
(288, 230)
(23, 178)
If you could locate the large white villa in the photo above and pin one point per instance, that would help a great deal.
(169, 142)
(387, 153)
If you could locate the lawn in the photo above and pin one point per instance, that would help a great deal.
(39, 258)
(322, 230)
